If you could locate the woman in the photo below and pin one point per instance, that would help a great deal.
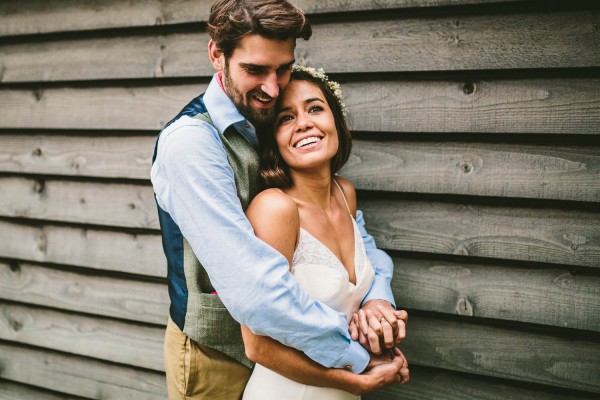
(308, 215)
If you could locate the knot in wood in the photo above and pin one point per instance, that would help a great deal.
(39, 186)
(14, 267)
(466, 167)
(37, 152)
(464, 307)
(468, 88)
(16, 325)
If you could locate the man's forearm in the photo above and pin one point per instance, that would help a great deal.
(294, 365)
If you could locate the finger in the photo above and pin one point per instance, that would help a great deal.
(401, 334)
(374, 323)
(388, 334)
(362, 339)
(373, 339)
(363, 325)
(353, 327)
(388, 314)
(404, 375)
(401, 314)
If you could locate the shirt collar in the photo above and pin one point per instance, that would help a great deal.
(224, 113)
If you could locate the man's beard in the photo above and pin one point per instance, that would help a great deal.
(261, 118)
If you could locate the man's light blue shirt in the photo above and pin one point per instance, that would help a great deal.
(195, 184)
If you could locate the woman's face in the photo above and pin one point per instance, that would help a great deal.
(305, 129)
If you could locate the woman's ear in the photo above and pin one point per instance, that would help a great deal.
(216, 56)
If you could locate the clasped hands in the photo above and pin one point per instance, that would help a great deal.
(379, 327)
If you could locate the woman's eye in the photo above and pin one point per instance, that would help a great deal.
(315, 108)
(284, 118)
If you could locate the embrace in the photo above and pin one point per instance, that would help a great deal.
(259, 230)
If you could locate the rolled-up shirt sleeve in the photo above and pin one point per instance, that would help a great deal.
(195, 184)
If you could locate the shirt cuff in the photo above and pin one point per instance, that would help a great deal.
(356, 358)
(380, 290)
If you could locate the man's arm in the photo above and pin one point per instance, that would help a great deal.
(195, 184)
(387, 369)
(382, 263)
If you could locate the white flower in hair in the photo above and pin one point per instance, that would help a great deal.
(335, 87)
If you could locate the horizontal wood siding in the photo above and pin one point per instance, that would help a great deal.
(476, 158)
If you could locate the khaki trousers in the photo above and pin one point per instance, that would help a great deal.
(198, 372)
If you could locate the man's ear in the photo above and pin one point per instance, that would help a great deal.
(216, 56)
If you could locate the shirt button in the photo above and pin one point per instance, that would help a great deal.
(348, 367)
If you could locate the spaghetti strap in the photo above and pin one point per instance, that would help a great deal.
(343, 195)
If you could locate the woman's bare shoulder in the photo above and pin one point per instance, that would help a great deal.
(273, 201)
(275, 219)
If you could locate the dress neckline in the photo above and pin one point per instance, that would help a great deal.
(339, 262)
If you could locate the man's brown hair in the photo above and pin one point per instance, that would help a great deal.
(274, 172)
(231, 20)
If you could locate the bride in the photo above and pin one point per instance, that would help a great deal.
(308, 215)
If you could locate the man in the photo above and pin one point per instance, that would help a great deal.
(204, 175)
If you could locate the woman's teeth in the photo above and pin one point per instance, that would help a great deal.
(307, 141)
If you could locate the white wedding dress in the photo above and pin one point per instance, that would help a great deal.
(323, 276)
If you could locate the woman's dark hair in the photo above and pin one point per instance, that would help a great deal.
(231, 20)
(274, 171)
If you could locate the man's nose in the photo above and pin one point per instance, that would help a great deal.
(270, 86)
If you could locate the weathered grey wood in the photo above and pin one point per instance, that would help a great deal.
(468, 42)
(428, 383)
(100, 295)
(547, 106)
(40, 16)
(543, 235)
(98, 156)
(108, 250)
(78, 375)
(99, 338)
(148, 108)
(502, 106)
(14, 391)
(117, 57)
(552, 296)
(499, 352)
(527, 171)
(124, 205)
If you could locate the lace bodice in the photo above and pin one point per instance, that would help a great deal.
(323, 276)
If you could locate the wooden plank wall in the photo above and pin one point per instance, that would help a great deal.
(476, 157)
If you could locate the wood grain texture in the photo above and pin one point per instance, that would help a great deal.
(124, 205)
(503, 353)
(552, 296)
(461, 42)
(15, 391)
(102, 249)
(541, 172)
(96, 156)
(40, 16)
(549, 106)
(108, 296)
(79, 376)
(429, 383)
(542, 235)
(94, 337)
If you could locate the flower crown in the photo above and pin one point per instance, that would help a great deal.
(335, 87)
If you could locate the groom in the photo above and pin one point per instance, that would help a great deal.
(204, 174)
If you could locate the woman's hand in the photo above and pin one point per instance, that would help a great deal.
(383, 370)
(378, 327)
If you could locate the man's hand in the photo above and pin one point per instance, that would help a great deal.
(383, 370)
(377, 326)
